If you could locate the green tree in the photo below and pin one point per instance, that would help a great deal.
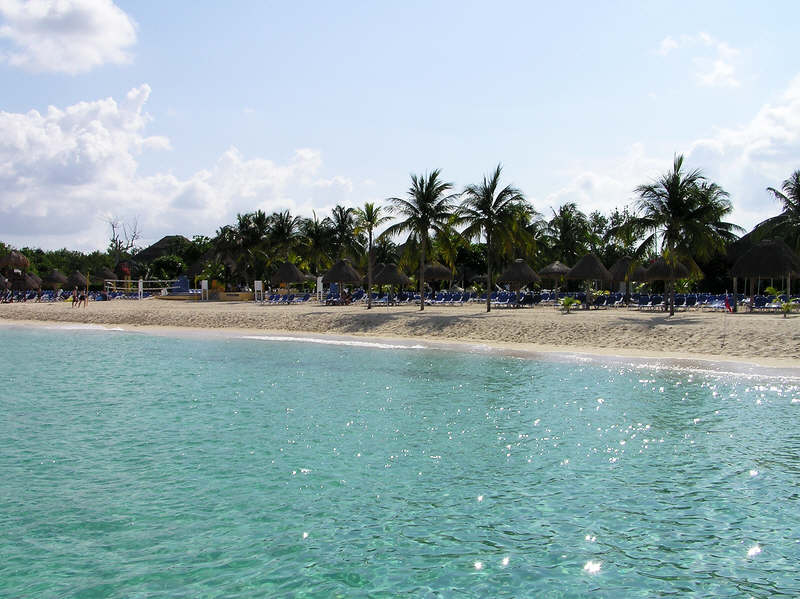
(316, 240)
(427, 207)
(567, 233)
(369, 218)
(346, 239)
(680, 214)
(787, 224)
(489, 211)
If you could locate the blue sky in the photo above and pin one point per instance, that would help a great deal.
(182, 114)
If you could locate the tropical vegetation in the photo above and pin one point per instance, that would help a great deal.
(681, 216)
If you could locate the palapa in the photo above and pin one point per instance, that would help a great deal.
(391, 275)
(76, 279)
(518, 272)
(555, 270)
(628, 269)
(104, 274)
(770, 258)
(436, 271)
(55, 279)
(342, 272)
(589, 268)
(661, 270)
(288, 273)
(377, 268)
(15, 260)
(23, 282)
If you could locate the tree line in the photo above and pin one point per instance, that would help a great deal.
(474, 232)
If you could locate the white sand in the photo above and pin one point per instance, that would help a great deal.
(765, 339)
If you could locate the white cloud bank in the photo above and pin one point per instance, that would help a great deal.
(65, 36)
(64, 172)
(716, 68)
(744, 160)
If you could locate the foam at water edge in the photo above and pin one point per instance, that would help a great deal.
(321, 341)
(82, 327)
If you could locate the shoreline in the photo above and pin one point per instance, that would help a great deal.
(447, 330)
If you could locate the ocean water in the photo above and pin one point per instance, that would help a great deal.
(135, 465)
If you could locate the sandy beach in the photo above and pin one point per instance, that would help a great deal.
(764, 339)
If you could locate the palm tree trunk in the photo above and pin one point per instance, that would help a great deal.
(488, 272)
(369, 272)
(672, 298)
(422, 276)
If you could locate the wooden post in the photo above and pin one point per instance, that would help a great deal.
(735, 309)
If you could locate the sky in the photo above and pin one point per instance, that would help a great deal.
(179, 115)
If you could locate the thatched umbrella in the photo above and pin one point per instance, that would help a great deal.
(769, 258)
(102, 275)
(391, 275)
(520, 273)
(669, 272)
(15, 260)
(436, 271)
(55, 279)
(23, 282)
(555, 271)
(375, 270)
(76, 279)
(627, 269)
(36, 279)
(589, 268)
(341, 272)
(288, 273)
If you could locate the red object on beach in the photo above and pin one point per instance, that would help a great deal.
(728, 305)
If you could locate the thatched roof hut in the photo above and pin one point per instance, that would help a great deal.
(555, 270)
(15, 260)
(288, 273)
(55, 279)
(436, 271)
(661, 270)
(376, 268)
(770, 258)
(518, 272)
(169, 244)
(102, 275)
(391, 275)
(342, 272)
(76, 279)
(628, 269)
(24, 282)
(589, 268)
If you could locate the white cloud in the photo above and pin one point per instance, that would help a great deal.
(744, 160)
(667, 45)
(66, 36)
(63, 172)
(715, 64)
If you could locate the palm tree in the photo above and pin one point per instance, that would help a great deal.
(427, 207)
(283, 233)
(316, 242)
(489, 211)
(345, 238)
(568, 232)
(787, 224)
(368, 219)
(680, 214)
(446, 244)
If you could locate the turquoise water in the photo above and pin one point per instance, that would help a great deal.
(152, 466)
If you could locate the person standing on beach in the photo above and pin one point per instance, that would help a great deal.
(74, 297)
